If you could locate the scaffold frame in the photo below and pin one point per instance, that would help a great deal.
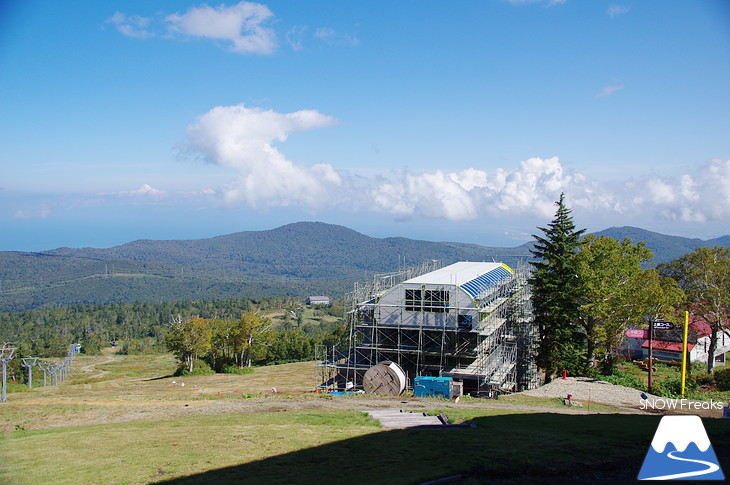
(494, 351)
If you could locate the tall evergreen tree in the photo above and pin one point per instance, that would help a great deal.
(556, 295)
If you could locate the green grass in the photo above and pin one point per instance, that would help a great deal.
(47, 437)
(145, 451)
(317, 445)
(311, 317)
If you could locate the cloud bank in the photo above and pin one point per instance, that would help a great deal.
(246, 140)
(243, 28)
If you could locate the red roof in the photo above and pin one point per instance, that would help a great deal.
(668, 346)
(699, 325)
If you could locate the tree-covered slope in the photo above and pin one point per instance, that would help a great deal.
(293, 260)
(665, 248)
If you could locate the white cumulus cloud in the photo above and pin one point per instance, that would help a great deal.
(242, 28)
(243, 25)
(247, 140)
(697, 197)
(243, 138)
(531, 189)
(131, 25)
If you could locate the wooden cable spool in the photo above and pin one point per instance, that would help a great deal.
(385, 378)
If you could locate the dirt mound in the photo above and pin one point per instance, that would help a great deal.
(587, 390)
(590, 390)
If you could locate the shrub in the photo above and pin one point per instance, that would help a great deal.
(702, 379)
(234, 369)
(672, 387)
(622, 378)
(200, 368)
(143, 346)
(722, 379)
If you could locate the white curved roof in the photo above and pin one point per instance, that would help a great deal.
(474, 278)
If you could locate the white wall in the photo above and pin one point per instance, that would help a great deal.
(391, 307)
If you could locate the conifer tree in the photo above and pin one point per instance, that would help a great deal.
(556, 295)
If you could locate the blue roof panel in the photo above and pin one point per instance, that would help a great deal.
(484, 282)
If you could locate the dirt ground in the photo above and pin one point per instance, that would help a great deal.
(96, 393)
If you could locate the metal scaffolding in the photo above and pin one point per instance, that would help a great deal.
(486, 340)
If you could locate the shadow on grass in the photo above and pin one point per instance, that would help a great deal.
(158, 378)
(517, 448)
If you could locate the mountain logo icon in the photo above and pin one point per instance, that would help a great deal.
(680, 450)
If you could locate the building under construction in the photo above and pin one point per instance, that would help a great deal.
(469, 320)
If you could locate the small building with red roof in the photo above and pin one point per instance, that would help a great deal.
(668, 345)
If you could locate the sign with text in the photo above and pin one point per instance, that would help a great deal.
(637, 333)
(663, 325)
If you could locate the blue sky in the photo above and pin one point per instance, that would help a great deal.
(458, 121)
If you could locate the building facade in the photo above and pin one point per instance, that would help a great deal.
(469, 320)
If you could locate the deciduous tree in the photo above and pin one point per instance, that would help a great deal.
(618, 292)
(249, 336)
(189, 339)
(704, 275)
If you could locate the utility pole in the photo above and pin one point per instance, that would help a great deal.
(6, 355)
(685, 332)
(651, 355)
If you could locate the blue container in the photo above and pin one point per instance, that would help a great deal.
(426, 386)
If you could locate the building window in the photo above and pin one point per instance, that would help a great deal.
(436, 301)
(432, 301)
(413, 300)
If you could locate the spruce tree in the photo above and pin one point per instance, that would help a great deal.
(556, 295)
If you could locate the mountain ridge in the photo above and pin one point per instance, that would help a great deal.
(292, 260)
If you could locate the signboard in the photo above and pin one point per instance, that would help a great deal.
(637, 333)
(662, 325)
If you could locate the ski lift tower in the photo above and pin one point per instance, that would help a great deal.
(45, 367)
(6, 355)
(29, 362)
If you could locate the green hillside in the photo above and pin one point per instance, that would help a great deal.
(665, 248)
(294, 260)
(298, 259)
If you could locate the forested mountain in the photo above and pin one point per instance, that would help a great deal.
(294, 260)
(298, 259)
(665, 248)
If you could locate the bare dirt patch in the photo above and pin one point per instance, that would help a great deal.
(95, 396)
(627, 399)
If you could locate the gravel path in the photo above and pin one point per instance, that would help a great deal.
(584, 389)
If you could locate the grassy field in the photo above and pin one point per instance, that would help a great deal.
(311, 316)
(122, 420)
